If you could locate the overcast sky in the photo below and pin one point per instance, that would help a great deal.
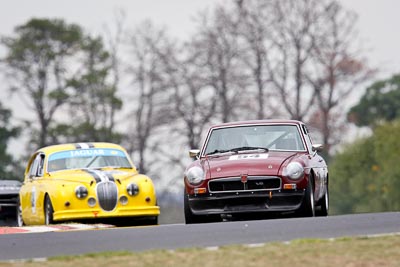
(378, 21)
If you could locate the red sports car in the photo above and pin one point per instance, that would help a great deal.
(256, 168)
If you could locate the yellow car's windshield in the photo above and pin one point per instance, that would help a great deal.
(87, 158)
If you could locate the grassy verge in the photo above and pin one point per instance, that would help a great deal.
(375, 251)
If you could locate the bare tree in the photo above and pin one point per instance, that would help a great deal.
(194, 104)
(338, 69)
(296, 23)
(115, 40)
(218, 53)
(149, 106)
(255, 25)
(93, 101)
(306, 50)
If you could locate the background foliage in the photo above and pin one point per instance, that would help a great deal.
(366, 175)
(8, 167)
(381, 102)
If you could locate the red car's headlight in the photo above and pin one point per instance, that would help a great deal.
(294, 170)
(195, 175)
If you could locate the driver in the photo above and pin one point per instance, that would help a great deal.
(56, 165)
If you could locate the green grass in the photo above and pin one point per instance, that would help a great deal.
(352, 252)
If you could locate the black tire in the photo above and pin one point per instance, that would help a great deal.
(20, 221)
(190, 218)
(307, 208)
(48, 211)
(323, 210)
(153, 221)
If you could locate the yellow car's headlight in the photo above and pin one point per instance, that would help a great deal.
(81, 192)
(132, 189)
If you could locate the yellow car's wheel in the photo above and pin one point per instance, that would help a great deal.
(48, 211)
(20, 221)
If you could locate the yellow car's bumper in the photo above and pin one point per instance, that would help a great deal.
(96, 213)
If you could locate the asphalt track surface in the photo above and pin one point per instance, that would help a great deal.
(47, 244)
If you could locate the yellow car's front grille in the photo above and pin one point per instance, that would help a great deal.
(107, 194)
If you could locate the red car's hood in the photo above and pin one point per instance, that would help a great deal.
(248, 163)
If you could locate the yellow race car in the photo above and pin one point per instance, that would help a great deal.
(85, 182)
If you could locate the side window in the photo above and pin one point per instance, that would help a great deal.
(33, 169)
(307, 137)
(41, 164)
(37, 166)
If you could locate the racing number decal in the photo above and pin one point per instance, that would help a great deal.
(251, 156)
(33, 199)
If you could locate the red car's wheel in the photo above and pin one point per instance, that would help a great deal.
(191, 218)
(307, 208)
(324, 204)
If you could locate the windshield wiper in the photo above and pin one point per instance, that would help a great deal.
(91, 161)
(117, 167)
(217, 151)
(237, 149)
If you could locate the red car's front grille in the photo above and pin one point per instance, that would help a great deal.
(253, 183)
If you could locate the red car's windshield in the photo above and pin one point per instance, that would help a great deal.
(268, 137)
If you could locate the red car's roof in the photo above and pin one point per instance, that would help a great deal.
(252, 122)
